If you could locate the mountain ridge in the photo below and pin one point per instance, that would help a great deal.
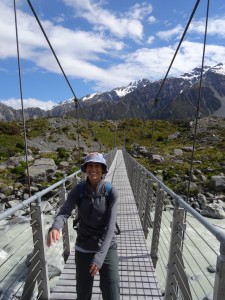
(178, 99)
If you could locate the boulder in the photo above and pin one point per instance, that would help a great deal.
(7, 190)
(3, 167)
(202, 200)
(192, 186)
(174, 136)
(217, 183)
(64, 164)
(15, 160)
(187, 149)
(46, 206)
(178, 152)
(155, 158)
(2, 197)
(214, 211)
(42, 170)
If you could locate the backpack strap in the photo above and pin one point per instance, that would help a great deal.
(108, 187)
(81, 189)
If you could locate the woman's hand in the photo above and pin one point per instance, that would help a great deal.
(53, 236)
(93, 270)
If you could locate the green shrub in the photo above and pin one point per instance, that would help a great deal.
(62, 152)
(160, 138)
(20, 169)
(20, 145)
(168, 174)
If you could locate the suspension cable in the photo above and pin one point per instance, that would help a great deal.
(199, 99)
(46, 37)
(156, 100)
(21, 98)
(178, 47)
(64, 74)
(78, 133)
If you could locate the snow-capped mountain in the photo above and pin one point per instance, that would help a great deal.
(116, 93)
(178, 99)
(195, 74)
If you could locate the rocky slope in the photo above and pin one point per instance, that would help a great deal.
(54, 154)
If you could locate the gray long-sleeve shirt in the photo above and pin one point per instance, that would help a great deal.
(97, 218)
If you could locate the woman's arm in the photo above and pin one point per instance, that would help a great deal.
(62, 216)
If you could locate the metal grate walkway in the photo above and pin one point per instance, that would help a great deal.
(137, 276)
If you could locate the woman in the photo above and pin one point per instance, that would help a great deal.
(95, 248)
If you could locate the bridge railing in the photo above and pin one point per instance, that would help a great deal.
(27, 266)
(187, 250)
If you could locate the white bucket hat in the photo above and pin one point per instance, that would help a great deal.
(94, 157)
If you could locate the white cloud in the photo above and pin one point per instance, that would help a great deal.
(215, 26)
(152, 20)
(96, 57)
(150, 39)
(169, 34)
(28, 33)
(151, 63)
(154, 63)
(140, 10)
(129, 25)
(30, 102)
(73, 48)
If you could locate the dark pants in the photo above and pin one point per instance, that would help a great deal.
(109, 276)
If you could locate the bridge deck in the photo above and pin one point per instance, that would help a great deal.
(137, 276)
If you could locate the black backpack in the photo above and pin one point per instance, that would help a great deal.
(81, 186)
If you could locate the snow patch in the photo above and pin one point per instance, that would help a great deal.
(219, 69)
(89, 97)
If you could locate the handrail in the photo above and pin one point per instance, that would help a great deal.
(34, 254)
(219, 234)
(170, 235)
(109, 156)
(35, 197)
(168, 232)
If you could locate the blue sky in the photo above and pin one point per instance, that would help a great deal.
(101, 45)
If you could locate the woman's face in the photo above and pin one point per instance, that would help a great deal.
(94, 172)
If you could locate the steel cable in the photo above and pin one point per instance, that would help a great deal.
(199, 99)
(21, 97)
(61, 68)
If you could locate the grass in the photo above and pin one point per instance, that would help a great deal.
(37, 127)
(209, 153)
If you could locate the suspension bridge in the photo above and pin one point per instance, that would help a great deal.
(162, 254)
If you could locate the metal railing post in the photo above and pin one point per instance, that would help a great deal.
(219, 285)
(137, 187)
(38, 270)
(157, 225)
(133, 178)
(65, 229)
(147, 222)
(142, 198)
(177, 281)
